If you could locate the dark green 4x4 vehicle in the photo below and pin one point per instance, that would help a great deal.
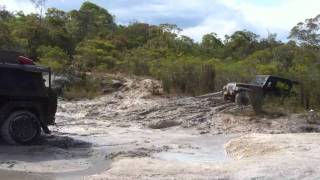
(254, 92)
(27, 102)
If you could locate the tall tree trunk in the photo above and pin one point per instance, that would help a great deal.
(302, 95)
(307, 101)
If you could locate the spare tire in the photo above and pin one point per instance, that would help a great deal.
(242, 98)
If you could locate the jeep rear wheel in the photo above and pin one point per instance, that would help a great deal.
(256, 100)
(21, 127)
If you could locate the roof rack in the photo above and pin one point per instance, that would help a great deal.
(16, 60)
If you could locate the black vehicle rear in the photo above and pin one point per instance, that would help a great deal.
(27, 105)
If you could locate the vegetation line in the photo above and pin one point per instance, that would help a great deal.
(89, 40)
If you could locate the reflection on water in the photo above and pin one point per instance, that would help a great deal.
(210, 149)
(12, 175)
(215, 157)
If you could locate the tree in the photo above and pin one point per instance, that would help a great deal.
(90, 21)
(307, 32)
(58, 34)
(94, 54)
(29, 37)
(285, 55)
(6, 40)
(307, 66)
(269, 42)
(211, 45)
(137, 34)
(53, 57)
(240, 44)
(184, 45)
(307, 71)
(40, 6)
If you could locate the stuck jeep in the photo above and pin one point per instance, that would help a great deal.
(27, 102)
(254, 92)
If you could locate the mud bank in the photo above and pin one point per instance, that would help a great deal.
(282, 156)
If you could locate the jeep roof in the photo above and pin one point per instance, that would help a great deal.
(262, 79)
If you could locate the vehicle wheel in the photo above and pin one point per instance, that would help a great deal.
(256, 99)
(53, 103)
(242, 99)
(21, 127)
(225, 97)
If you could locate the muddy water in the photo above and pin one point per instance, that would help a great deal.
(80, 160)
(201, 149)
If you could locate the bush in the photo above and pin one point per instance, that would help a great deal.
(53, 57)
(94, 55)
(86, 88)
(185, 75)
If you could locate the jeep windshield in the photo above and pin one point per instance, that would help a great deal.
(260, 80)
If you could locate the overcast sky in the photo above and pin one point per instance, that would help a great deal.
(198, 17)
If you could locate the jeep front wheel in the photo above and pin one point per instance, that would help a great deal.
(21, 127)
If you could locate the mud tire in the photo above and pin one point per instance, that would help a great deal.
(225, 98)
(242, 99)
(53, 104)
(21, 127)
(256, 100)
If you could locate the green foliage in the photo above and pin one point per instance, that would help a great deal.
(187, 75)
(53, 57)
(240, 44)
(88, 40)
(6, 41)
(212, 46)
(94, 55)
(307, 32)
(86, 88)
(90, 21)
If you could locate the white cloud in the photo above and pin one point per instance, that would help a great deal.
(212, 24)
(279, 16)
(222, 16)
(18, 5)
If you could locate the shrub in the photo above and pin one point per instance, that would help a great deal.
(86, 88)
(53, 57)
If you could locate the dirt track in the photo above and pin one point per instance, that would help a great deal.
(131, 134)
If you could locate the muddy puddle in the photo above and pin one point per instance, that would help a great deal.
(81, 156)
(201, 150)
(54, 157)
